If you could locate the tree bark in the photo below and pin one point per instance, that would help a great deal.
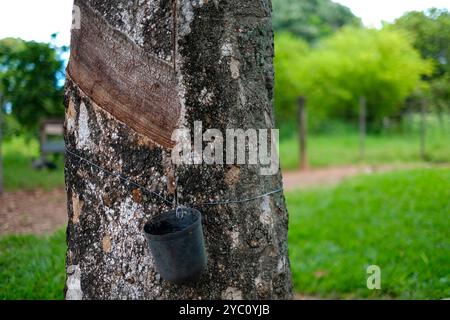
(303, 133)
(215, 68)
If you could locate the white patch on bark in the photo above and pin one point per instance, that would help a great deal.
(234, 236)
(206, 98)
(182, 97)
(259, 282)
(77, 206)
(73, 283)
(281, 265)
(232, 293)
(70, 116)
(269, 120)
(235, 66)
(127, 210)
(266, 214)
(92, 187)
(109, 213)
(227, 49)
(185, 18)
(83, 127)
(228, 52)
(70, 125)
(242, 97)
(263, 287)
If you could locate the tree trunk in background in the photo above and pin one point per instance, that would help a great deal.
(362, 127)
(123, 100)
(423, 130)
(303, 133)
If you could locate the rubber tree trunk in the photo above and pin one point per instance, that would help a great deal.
(362, 127)
(131, 81)
(303, 133)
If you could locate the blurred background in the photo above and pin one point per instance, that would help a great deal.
(362, 101)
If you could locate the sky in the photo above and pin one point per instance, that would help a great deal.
(37, 20)
(373, 12)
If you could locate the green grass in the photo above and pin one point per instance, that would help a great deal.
(32, 267)
(398, 221)
(343, 149)
(399, 144)
(18, 173)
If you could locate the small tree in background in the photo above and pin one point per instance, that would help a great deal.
(311, 20)
(430, 31)
(31, 75)
(290, 53)
(380, 65)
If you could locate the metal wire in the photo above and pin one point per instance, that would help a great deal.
(223, 202)
(179, 208)
(120, 177)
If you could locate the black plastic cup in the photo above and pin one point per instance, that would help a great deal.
(177, 245)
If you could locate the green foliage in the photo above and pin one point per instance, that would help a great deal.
(32, 267)
(440, 93)
(396, 221)
(380, 65)
(431, 33)
(289, 55)
(30, 80)
(312, 19)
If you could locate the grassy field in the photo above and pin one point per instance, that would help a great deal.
(18, 154)
(343, 149)
(398, 221)
(32, 267)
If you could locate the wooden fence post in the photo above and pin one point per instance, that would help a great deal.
(303, 133)
(362, 127)
(423, 130)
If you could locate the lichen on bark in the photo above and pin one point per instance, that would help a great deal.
(224, 73)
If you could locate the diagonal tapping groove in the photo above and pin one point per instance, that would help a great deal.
(133, 85)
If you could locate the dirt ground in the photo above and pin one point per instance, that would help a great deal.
(41, 212)
(294, 180)
(37, 211)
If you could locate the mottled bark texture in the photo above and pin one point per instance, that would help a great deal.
(224, 78)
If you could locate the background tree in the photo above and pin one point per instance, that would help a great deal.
(430, 31)
(431, 36)
(380, 65)
(290, 53)
(312, 19)
(31, 75)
